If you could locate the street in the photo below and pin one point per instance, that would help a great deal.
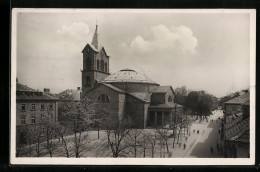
(209, 137)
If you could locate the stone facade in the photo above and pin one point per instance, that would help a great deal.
(126, 92)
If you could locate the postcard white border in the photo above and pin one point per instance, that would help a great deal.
(134, 161)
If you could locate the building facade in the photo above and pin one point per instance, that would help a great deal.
(126, 92)
(236, 126)
(32, 108)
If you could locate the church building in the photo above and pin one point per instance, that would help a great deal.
(126, 92)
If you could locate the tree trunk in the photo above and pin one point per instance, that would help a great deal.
(135, 147)
(174, 137)
(152, 151)
(178, 136)
(98, 132)
(167, 146)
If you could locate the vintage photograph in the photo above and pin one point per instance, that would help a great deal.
(121, 86)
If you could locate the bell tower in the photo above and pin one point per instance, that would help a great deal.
(95, 64)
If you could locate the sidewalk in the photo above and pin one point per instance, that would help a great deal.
(179, 152)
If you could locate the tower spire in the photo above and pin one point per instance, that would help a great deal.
(95, 38)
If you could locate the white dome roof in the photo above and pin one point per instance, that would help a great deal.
(128, 75)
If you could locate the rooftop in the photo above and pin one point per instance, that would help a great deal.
(161, 89)
(69, 94)
(24, 92)
(239, 100)
(237, 130)
(128, 75)
(144, 96)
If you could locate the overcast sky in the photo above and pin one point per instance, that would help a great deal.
(201, 51)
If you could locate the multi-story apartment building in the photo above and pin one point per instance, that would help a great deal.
(32, 107)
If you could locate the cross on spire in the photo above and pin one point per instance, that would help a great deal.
(95, 38)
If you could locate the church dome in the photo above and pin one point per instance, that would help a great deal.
(128, 75)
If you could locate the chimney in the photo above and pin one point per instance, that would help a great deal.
(78, 88)
(46, 90)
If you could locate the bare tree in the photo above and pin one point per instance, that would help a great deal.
(133, 140)
(117, 130)
(48, 123)
(163, 135)
(152, 138)
(145, 144)
(62, 130)
(35, 135)
(78, 117)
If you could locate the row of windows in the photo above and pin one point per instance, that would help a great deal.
(33, 119)
(100, 65)
(23, 107)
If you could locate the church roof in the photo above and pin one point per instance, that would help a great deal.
(169, 106)
(144, 96)
(161, 89)
(128, 75)
(114, 88)
(95, 39)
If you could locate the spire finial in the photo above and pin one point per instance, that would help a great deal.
(95, 38)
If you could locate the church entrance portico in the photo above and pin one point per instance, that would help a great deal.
(160, 118)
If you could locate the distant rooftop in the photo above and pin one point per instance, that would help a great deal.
(24, 92)
(69, 94)
(244, 98)
(128, 75)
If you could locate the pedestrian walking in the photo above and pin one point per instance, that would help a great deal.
(184, 146)
(198, 131)
(211, 150)
(193, 131)
(186, 138)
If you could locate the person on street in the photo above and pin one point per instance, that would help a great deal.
(184, 146)
(211, 150)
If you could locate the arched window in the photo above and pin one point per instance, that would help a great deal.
(105, 67)
(103, 98)
(97, 64)
(102, 65)
(88, 63)
(170, 99)
(88, 83)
